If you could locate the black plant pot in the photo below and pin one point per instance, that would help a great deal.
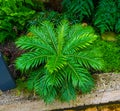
(6, 80)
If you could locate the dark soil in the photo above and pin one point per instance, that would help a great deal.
(10, 52)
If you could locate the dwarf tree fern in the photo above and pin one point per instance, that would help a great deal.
(65, 57)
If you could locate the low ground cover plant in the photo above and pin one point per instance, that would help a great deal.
(111, 54)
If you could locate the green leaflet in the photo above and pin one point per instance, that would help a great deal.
(55, 63)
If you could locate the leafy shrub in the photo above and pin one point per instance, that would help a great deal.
(107, 16)
(78, 10)
(65, 57)
(13, 17)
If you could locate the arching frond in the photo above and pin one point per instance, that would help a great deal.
(47, 86)
(90, 59)
(38, 33)
(67, 91)
(33, 80)
(48, 30)
(79, 38)
(62, 31)
(31, 43)
(80, 77)
(30, 60)
(48, 93)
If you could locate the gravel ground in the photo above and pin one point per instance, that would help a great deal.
(9, 97)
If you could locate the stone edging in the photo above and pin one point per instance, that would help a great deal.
(107, 89)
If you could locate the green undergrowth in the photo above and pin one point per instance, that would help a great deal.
(13, 18)
(111, 54)
(21, 88)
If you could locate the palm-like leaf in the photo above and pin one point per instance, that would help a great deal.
(79, 77)
(31, 60)
(67, 91)
(86, 58)
(65, 58)
(27, 43)
(48, 30)
(79, 38)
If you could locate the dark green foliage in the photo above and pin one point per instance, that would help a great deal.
(78, 10)
(104, 14)
(107, 16)
(111, 54)
(117, 26)
(13, 17)
(52, 16)
(65, 60)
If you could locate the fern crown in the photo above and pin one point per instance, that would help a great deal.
(65, 55)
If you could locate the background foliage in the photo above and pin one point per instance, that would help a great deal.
(94, 12)
(78, 10)
(13, 17)
(52, 16)
(107, 16)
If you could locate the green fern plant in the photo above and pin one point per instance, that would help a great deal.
(106, 15)
(66, 57)
(78, 10)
